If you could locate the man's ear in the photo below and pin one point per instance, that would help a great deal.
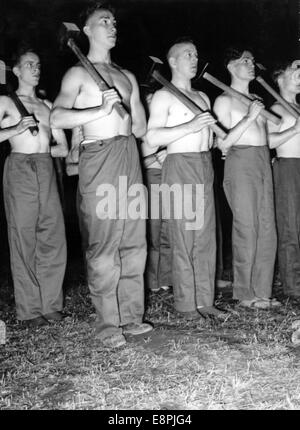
(172, 62)
(16, 71)
(230, 68)
(86, 30)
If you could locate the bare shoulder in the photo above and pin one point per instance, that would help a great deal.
(6, 103)
(5, 100)
(223, 100)
(76, 73)
(277, 108)
(205, 97)
(162, 95)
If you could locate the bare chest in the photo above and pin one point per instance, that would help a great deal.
(34, 107)
(91, 91)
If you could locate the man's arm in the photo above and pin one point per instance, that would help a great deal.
(64, 115)
(207, 101)
(14, 130)
(61, 148)
(72, 158)
(160, 135)
(223, 108)
(277, 137)
(137, 110)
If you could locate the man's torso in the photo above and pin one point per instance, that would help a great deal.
(179, 114)
(90, 96)
(27, 143)
(256, 134)
(291, 148)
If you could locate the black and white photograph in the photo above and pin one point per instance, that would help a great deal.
(150, 208)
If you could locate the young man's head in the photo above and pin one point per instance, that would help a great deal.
(183, 58)
(240, 64)
(287, 75)
(99, 24)
(27, 66)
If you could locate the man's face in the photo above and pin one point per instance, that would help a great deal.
(243, 68)
(186, 60)
(101, 27)
(29, 69)
(289, 80)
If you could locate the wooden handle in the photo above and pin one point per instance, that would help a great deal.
(244, 99)
(278, 97)
(190, 104)
(23, 111)
(93, 72)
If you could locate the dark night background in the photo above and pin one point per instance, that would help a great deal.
(147, 27)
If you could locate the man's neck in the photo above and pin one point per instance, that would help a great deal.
(240, 86)
(26, 90)
(288, 96)
(181, 83)
(98, 54)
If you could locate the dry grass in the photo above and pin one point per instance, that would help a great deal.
(246, 362)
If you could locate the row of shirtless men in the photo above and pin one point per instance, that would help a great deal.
(176, 145)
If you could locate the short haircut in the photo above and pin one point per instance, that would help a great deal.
(179, 41)
(234, 53)
(93, 7)
(22, 50)
(280, 68)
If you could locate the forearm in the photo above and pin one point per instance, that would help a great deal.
(163, 136)
(59, 150)
(70, 118)
(139, 129)
(234, 134)
(277, 139)
(7, 133)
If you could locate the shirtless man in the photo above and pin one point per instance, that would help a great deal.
(116, 248)
(158, 266)
(36, 231)
(188, 140)
(248, 187)
(286, 140)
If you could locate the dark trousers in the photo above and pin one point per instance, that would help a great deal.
(193, 251)
(287, 200)
(248, 187)
(115, 247)
(158, 266)
(36, 234)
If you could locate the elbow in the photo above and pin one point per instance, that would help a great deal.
(139, 130)
(150, 137)
(54, 118)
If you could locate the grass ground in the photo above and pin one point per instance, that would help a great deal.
(246, 362)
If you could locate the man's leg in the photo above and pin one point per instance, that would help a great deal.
(176, 170)
(287, 198)
(132, 251)
(51, 249)
(165, 260)
(242, 196)
(153, 177)
(22, 206)
(263, 267)
(102, 164)
(204, 250)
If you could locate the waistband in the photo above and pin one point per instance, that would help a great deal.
(201, 154)
(34, 155)
(100, 143)
(287, 158)
(236, 147)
